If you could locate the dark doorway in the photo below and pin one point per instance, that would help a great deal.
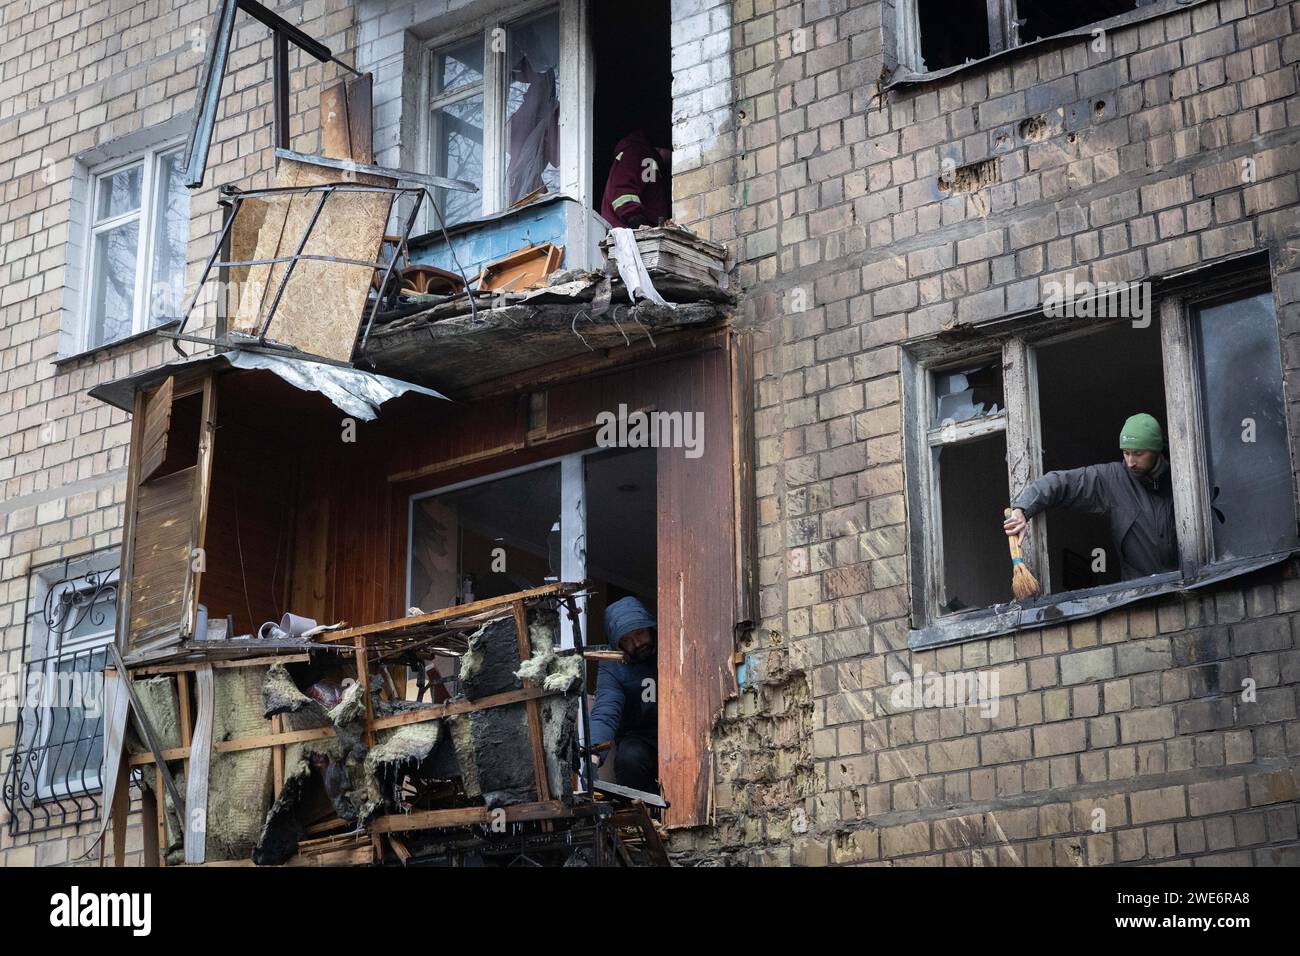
(633, 54)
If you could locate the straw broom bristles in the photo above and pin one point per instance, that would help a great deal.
(1023, 584)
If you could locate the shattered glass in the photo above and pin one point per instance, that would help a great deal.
(963, 394)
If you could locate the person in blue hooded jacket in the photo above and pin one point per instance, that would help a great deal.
(625, 710)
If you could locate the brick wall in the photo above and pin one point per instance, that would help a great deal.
(75, 76)
(848, 248)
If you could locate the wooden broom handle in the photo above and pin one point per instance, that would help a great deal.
(1013, 543)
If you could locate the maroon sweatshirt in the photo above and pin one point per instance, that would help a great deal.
(637, 191)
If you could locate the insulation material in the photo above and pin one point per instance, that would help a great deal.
(239, 782)
(161, 704)
(323, 302)
(493, 746)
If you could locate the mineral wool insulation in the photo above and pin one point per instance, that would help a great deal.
(488, 750)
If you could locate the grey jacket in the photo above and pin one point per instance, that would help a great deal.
(1140, 510)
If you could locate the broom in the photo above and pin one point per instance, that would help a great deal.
(1023, 584)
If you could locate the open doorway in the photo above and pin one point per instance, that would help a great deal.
(1087, 386)
(632, 48)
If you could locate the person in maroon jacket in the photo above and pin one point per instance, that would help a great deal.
(637, 191)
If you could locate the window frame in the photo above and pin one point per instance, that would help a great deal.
(1176, 309)
(146, 217)
(575, 65)
(1003, 29)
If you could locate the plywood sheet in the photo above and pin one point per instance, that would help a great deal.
(323, 302)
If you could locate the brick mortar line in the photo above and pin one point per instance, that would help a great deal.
(1080, 792)
(37, 498)
(971, 228)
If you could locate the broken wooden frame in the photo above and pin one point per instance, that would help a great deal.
(372, 647)
(385, 269)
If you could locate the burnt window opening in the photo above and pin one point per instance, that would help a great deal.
(632, 52)
(1205, 361)
(942, 34)
(952, 32)
(1046, 18)
(1088, 385)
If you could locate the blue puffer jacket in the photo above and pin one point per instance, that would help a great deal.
(620, 709)
(626, 694)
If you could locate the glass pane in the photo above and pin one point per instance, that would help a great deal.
(75, 745)
(458, 66)
(171, 234)
(972, 493)
(1251, 499)
(119, 193)
(966, 393)
(533, 107)
(487, 540)
(458, 154)
(112, 305)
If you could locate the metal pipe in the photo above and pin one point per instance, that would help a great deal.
(207, 270)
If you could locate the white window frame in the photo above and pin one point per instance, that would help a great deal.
(576, 105)
(1019, 419)
(573, 523)
(146, 216)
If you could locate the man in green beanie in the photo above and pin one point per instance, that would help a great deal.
(1134, 494)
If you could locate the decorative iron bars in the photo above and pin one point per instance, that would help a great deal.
(53, 778)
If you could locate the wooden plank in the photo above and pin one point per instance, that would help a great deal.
(277, 756)
(534, 714)
(120, 808)
(335, 140)
(1024, 446)
(160, 565)
(157, 425)
(1185, 450)
(201, 490)
(465, 816)
(116, 713)
(125, 573)
(460, 610)
(361, 126)
(159, 788)
(196, 780)
(190, 666)
(149, 822)
(696, 586)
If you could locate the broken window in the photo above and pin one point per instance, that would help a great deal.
(952, 32)
(938, 34)
(1248, 459)
(1055, 402)
(1088, 385)
(494, 114)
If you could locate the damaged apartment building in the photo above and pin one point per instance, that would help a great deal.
(334, 415)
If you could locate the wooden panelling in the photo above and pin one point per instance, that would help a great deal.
(157, 424)
(161, 558)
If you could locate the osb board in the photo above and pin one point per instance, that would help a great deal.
(323, 302)
(243, 246)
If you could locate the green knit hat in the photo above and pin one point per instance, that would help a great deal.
(1142, 433)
